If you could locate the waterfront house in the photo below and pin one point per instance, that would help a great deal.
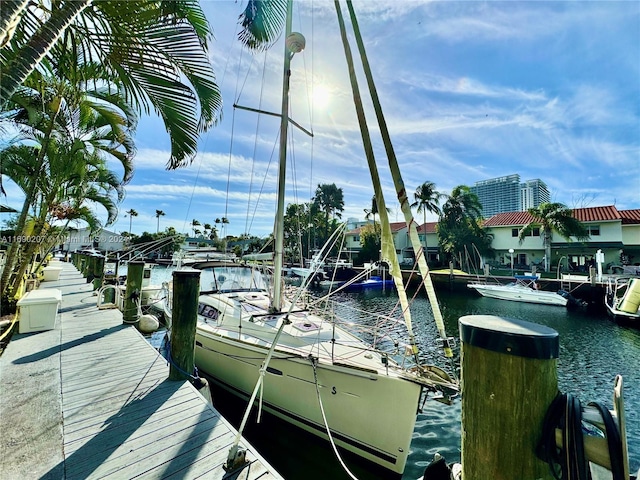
(616, 233)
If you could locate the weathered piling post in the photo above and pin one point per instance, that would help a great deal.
(98, 272)
(186, 289)
(133, 294)
(509, 379)
(82, 260)
(91, 267)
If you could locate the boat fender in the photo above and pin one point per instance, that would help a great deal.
(148, 323)
(439, 470)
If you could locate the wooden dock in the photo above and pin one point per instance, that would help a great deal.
(90, 399)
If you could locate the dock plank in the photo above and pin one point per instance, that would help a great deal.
(111, 410)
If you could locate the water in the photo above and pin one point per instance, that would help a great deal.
(593, 350)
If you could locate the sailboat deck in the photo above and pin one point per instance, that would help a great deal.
(91, 399)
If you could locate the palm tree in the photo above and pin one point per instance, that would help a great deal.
(69, 181)
(373, 211)
(195, 223)
(550, 218)
(53, 118)
(159, 213)
(330, 199)
(427, 199)
(459, 223)
(148, 48)
(132, 213)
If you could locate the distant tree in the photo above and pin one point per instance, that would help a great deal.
(132, 213)
(550, 218)
(460, 225)
(159, 213)
(373, 211)
(427, 199)
(329, 199)
(195, 223)
(370, 243)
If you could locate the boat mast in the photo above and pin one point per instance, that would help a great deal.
(278, 234)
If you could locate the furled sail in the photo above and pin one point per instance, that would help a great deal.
(400, 190)
(388, 248)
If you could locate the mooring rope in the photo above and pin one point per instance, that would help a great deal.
(326, 424)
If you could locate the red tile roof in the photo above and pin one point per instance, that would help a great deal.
(430, 227)
(589, 214)
(630, 217)
(595, 214)
(397, 226)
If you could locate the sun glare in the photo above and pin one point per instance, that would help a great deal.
(321, 97)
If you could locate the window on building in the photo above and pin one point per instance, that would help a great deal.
(535, 232)
(593, 230)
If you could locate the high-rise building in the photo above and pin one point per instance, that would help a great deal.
(498, 195)
(507, 194)
(533, 193)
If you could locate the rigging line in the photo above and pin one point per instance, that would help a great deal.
(326, 424)
(208, 133)
(264, 180)
(255, 145)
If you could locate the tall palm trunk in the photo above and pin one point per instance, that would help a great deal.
(29, 199)
(31, 246)
(424, 223)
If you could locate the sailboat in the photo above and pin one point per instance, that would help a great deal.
(297, 360)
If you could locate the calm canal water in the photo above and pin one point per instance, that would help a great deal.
(593, 350)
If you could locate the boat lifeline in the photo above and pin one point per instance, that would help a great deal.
(358, 387)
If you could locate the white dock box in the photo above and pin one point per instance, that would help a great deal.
(51, 274)
(39, 310)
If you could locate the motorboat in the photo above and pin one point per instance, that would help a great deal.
(524, 289)
(622, 299)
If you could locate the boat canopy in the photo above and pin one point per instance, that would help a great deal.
(532, 278)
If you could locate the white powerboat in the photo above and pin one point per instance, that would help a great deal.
(524, 289)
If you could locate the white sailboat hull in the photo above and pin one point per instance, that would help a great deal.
(517, 293)
(370, 413)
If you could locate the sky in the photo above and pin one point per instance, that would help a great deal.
(470, 91)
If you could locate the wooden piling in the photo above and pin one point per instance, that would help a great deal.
(98, 272)
(133, 292)
(509, 379)
(186, 289)
(82, 263)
